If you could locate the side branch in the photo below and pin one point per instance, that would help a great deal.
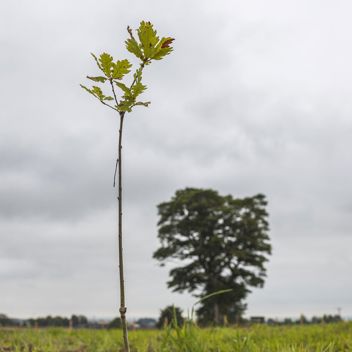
(113, 91)
(109, 106)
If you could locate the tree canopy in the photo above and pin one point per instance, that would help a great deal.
(218, 242)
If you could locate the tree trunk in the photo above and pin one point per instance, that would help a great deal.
(216, 313)
(123, 308)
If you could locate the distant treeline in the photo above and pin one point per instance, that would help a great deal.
(326, 318)
(80, 321)
(76, 321)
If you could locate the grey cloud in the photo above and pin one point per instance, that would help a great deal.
(255, 98)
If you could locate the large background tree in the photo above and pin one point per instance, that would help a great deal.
(219, 242)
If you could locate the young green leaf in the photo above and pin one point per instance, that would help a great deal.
(124, 88)
(97, 61)
(125, 105)
(138, 75)
(106, 63)
(137, 89)
(148, 38)
(163, 48)
(146, 103)
(132, 46)
(121, 68)
(87, 89)
(97, 93)
(97, 79)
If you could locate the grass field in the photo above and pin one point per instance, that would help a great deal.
(312, 338)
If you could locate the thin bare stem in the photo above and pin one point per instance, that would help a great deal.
(109, 106)
(123, 308)
(113, 91)
(117, 161)
(115, 97)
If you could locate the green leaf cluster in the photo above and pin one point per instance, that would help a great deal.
(130, 95)
(146, 47)
(98, 93)
(149, 47)
(111, 69)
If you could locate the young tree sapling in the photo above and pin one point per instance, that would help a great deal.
(147, 46)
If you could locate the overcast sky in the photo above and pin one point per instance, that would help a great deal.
(256, 97)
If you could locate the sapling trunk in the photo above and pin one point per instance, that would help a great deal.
(147, 48)
(123, 308)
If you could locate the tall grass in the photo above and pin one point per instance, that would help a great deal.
(187, 338)
(323, 338)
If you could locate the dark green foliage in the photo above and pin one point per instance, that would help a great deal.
(146, 48)
(5, 320)
(79, 321)
(170, 316)
(220, 243)
(115, 323)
